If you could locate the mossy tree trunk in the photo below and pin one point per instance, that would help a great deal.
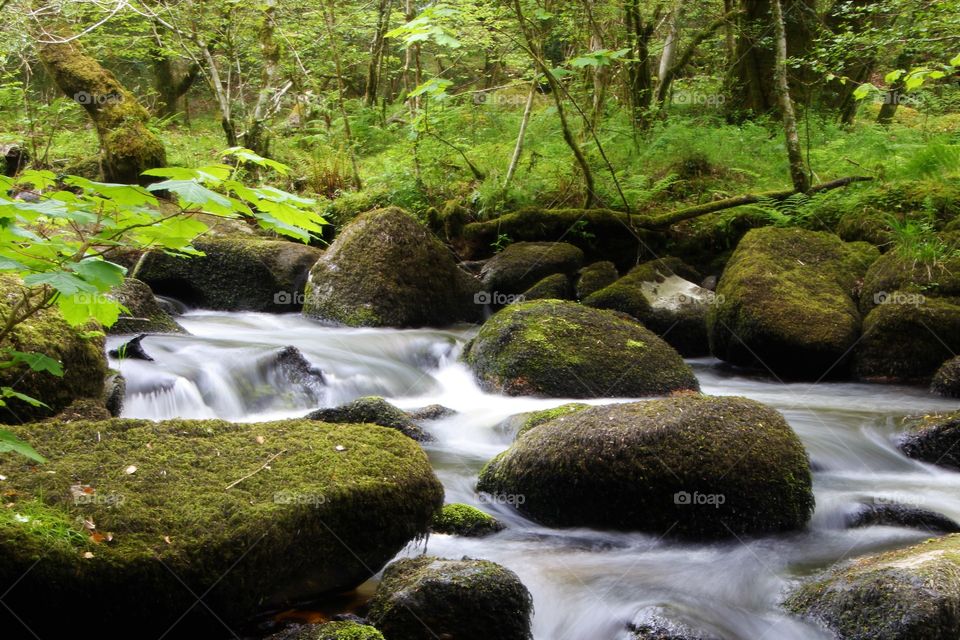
(639, 75)
(798, 170)
(170, 85)
(127, 147)
(257, 136)
(377, 47)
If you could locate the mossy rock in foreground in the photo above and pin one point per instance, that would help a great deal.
(563, 349)
(522, 264)
(144, 314)
(387, 270)
(693, 466)
(934, 439)
(946, 381)
(464, 520)
(342, 630)
(372, 410)
(426, 598)
(80, 354)
(907, 594)
(786, 303)
(259, 514)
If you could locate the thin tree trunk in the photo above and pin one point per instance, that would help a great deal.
(223, 100)
(669, 54)
(335, 50)
(518, 149)
(798, 172)
(376, 52)
(257, 138)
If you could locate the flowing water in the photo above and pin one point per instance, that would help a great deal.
(586, 584)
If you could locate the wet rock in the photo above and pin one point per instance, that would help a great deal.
(386, 270)
(523, 422)
(427, 597)
(144, 312)
(655, 624)
(934, 439)
(900, 515)
(252, 515)
(594, 277)
(114, 391)
(464, 520)
(372, 410)
(692, 466)
(431, 412)
(132, 350)
(336, 630)
(15, 159)
(946, 381)
(563, 349)
(522, 264)
(555, 287)
(905, 594)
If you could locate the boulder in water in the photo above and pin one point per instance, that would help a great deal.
(946, 381)
(934, 439)
(464, 520)
(132, 350)
(901, 515)
(144, 313)
(431, 412)
(372, 410)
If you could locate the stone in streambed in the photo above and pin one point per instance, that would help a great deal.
(464, 520)
(934, 439)
(372, 410)
(901, 515)
(946, 381)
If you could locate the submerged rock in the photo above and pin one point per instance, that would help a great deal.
(693, 466)
(901, 515)
(562, 349)
(372, 410)
(905, 594)
(427, 597)
(146, 314)
(464, 520)
(946, 381)
(786, 302)
(934, 439)
(522, 264)
(386, 270)
(251, 515)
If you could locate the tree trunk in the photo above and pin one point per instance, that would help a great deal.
(893, 96)
(257, 136)
(330, 20)
(376, 53)
(668, 57)
(518, 149)
(798, 172)
(127, 147)
(170, 89)
(639, 76)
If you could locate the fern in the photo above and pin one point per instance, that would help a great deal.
(935, 160)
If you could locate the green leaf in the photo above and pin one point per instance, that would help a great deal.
(864, 90)
(955, 61)
(893, 76)
(100, 273)
(9, 442)
(66, 283)
(36, 361)
(191, 192)
(80, 309)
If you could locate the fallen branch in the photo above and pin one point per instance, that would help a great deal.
(253, 473)
(673, 217)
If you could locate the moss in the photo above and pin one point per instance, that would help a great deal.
(536, 418)
(555, 287)
(234, 274)
(900, 595)
(894, 272)
(261, 512)
(372, 410)
(907, 338)
(786, 302)
(622, 467)
(522, 264)
(79, 351)
(594, 277)
(343, 630)
(464, 520)
(563, 349)
(933, 439)
(144, 313)
(385, 269)
(946, 381)
(428, 597)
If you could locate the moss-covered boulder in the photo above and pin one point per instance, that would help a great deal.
(144, 314)
(690, 466)
(79, 351)
(563, 349)
(127, 512)
(946, 381)
(428, 598)
(337, 630)
(786, 302)
(522, 264)
(372, 410)
(660, 294)
(523, 422)
(385, 269)
(234, 274)
(893, 272)
(464, 520)
(555, 287)
(906, 594)
(934, 439)
(906, 338)
(594, 277)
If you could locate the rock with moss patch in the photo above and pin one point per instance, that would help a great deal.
(946, 381)
(522, 264)
(934, 439)
(337, 630)
(555, 287)
(786, 302)
(906, 338)
(905, 594)
(464, 520)
(234, 274)
(431, 412)
(523, 422)
(428, 597)
(895, 272)
(79, 351)
(385, 269)
(144, 314)
(372, 410)
(563, 349)
(252, 515)
(594, 277)
(693, 466)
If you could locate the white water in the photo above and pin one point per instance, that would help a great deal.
(587, 585)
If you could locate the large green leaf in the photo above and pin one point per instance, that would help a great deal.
(9, 442)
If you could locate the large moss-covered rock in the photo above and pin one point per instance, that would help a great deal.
(522, 264)
(786, 302)
(464, 520)
(79, 352)
(562, 349)
(372, 410)
(385, 269)
(594, 277)
(234, 274)
(523, 422)
(906, 338)
(555, 287)
(660, 294)
(251, 515)
(144, 314)
(691, 466)
(934, 439)
(893, 272)
(946, 381)
(428, 598)
(906, 594)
